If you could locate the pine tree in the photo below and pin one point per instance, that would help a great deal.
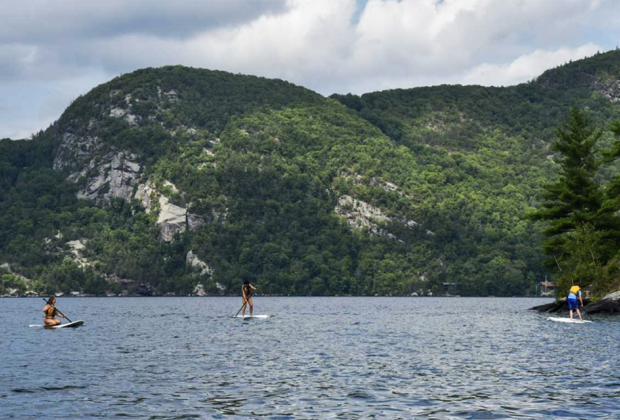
(611, 203)
(612, 192)
(576, 199)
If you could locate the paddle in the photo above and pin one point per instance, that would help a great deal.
(584, 311)
(63, 315)
(244, 303)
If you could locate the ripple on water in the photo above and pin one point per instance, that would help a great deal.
(317, 358)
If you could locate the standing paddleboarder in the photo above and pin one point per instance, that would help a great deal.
(574, 292)
(247, 290)
(50, 312)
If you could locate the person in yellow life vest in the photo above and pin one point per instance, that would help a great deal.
(50, 312)
(575, 292)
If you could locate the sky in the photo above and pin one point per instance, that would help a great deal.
(52, 51)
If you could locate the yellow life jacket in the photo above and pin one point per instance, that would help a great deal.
(575, 289)
(51, 311)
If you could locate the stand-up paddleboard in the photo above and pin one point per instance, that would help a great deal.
(73, 324)
(252, 317)
(568, 320)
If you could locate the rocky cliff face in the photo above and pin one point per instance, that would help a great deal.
(104, 171)
(76, 148)
(609, 88)
(362, 215)
(113, 175)
(196, 265)
(172, 219)
(118, 175)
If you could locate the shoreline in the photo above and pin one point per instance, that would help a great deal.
(283, 296)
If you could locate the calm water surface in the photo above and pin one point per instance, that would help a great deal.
(316, 358)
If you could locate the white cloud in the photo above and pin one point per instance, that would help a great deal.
(325, 45)
(526, 67)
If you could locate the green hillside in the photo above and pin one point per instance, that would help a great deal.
(166, 179)
(486, 153)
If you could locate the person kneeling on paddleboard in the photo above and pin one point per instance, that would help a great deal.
(50, 312)
(247, 290)
(572, 301)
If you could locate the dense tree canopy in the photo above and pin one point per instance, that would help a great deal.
(449, 170)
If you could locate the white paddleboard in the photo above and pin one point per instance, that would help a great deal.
(73, 324)
(251, 317)
(568, 320)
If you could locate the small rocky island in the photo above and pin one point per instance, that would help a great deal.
(609, 304)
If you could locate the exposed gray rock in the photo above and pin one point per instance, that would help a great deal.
(171, 186)
(362, 215)
(77, 247)
(146, 194)
(195, 264)
(117, 112)
(116, 174)
(74, 149)
(609, 88)
(172, 219)
(373, 182)
(612, 296)
(199, 290)
(608, 306)
(132, 119)
(125, 113)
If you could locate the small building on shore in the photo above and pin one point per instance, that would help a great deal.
(546, 288)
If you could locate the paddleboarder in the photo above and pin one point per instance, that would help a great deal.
(574, 292)
(51, 312)
(247, 289)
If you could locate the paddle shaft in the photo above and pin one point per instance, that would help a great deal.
(244, 303)
(63, 315)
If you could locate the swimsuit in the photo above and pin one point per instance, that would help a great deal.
(572, 300)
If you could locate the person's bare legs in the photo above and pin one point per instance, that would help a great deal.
(579, 313)
(251, 306)
(51, 322)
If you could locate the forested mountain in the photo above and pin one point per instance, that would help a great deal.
(177, 180)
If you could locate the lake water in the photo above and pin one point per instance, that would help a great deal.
(316, 358)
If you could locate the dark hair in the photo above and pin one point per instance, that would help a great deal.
(246, 282)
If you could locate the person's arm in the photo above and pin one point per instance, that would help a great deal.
(580, 299)
(253, 288)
